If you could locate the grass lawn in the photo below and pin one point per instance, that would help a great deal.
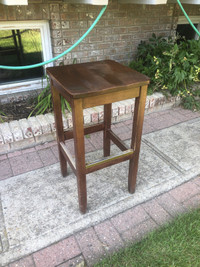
(175, 244)
(31, 40)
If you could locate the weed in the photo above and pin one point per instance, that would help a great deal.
(44, 101)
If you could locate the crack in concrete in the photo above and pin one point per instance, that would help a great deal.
(164, 157)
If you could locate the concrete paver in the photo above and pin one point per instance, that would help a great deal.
(46, 145)
(2, 157)
(47, 156)
(129, 218)
(193, 202)
(57, 253)
(197, 181)
(28, 150)
(54, 149)
(170, 204)
(148, 128)
(156, 212)
(38, 211)
(26, 162)
(75, 262)
(14, 154)
(108, 236)
(96, 140)
(185, 192)
(25, 262)
(90, 245)
(5, 169)
(140, 231)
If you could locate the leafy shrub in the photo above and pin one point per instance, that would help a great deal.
(173, 68)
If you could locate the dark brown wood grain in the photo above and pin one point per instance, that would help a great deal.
(109, 161)
(136, 137)
(107, 124)
(95, 78)
(79, 147)
(59, 128)
(91, 84)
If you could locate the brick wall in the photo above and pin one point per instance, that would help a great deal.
(116, 36)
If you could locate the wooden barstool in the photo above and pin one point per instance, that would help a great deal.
(93, 84)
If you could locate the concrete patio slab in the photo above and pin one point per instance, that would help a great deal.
(180, 145)
(40, 207)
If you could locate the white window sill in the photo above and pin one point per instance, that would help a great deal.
(14, 2)
(19, 87)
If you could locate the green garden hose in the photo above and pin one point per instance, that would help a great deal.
(189, 20)
(61, 55)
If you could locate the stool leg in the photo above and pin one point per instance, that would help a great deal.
(107, 125)
(59, 128)
(136, 137)
(79, 146)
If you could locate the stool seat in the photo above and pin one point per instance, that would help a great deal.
(90, 79)
(92, 84)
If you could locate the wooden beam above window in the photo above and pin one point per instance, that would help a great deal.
(14, 2)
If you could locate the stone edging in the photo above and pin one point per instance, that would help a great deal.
(40, 129)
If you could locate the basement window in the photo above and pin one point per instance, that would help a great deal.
(23, 43)
(185, 30)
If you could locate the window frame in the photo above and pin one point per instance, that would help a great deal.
(14, 2)
(34, 84)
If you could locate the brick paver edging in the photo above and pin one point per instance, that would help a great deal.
(36, 130)
(90, 245)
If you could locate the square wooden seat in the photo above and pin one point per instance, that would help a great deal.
(93, 84)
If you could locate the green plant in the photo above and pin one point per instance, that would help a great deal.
(44, 100)
(45, 103)
(191, 100)
(172, 67)
(2, 114)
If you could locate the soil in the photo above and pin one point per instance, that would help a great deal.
(16, 111)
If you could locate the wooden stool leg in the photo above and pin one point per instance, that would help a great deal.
(79, 146)
(136, 137)
(107, 125)
(59, 128)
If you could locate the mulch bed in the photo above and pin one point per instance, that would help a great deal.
(16, 110)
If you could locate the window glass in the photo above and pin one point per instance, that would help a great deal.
(20, 47)
(186, 31)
